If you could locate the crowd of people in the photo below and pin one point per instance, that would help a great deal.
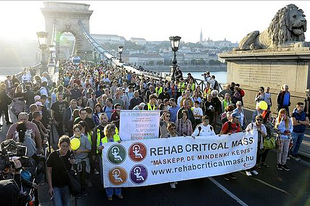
(86, 101)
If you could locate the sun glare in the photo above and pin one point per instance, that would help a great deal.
(21, 19)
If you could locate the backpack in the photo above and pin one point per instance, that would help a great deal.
(242, 92)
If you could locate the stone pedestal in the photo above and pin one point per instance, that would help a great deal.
(270, 68)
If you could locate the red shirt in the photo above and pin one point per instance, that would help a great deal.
(115, 118)
(234, 128)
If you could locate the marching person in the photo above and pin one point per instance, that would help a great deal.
(285, 128)
(230, 127)
(300, 122)
(110, 136)
(261, 130)
(204, 129)
(81, 155)
(152, 103)
(57, 163)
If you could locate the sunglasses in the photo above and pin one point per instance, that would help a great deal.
(259, 120)
(172, 127)
(167, 115)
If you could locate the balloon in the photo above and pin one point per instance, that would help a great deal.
(263, 105)
(75, 143)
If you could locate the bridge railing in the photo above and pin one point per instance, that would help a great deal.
(116, 63)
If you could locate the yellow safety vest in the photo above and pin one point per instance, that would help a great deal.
(206, 92)
(225, 103)
(149, 107)
(89, 135)
(193, 87)
(181, 87)
(158, 91)
(116, 136)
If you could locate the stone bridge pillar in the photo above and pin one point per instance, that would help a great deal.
(63, 17)
(270, 68)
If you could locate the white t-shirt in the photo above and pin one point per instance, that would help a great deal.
(268, 98)
(197, 111)
(205, 130)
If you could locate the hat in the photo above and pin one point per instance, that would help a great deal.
(39, 104)
(236, 115)
(37, 98)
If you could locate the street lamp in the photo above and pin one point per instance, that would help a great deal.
(175, 43)
(120, 51)
(42, 39)
(85, 56)
(95, 53)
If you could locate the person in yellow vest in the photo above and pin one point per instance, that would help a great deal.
(182, 86)
(152, 103)
(110, 136)
(191, 84)
(226, 101)
(207, 90)
(159, 88)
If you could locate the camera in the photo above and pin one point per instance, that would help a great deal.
(10, 151)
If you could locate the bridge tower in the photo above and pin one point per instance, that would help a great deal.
(63, 17)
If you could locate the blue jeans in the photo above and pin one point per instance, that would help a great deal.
(297, 140)
(112, 190)
(61, 196)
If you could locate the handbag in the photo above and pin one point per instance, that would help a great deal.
(269, 143)
(74, 183)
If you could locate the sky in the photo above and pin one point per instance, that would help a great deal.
(154, 20)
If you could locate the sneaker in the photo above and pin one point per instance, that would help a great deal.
(285, 168)
(84, 194)
(296, 157)
(288, 157)
(264, 164)
(96, 172)
(172, 185)
(110, 198)
(225, 177)
(248, 173)
(79, 196)
(254, 172)
(231, 176)
(120, 196)
(279, 167)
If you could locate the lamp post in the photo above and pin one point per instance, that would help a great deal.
(95, 53)
(42, 39)
(85, 56)
(120, 51)
(175, 43)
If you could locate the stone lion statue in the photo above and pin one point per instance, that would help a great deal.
(287, 28)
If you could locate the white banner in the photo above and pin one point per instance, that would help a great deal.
(139, 124)
(156, 161)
